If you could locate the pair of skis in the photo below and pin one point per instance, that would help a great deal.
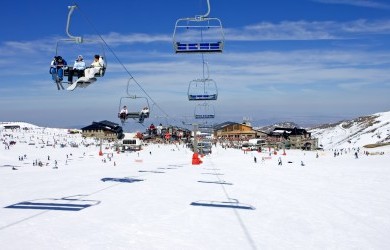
(58, 82)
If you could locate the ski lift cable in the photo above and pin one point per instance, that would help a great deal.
(124, 67)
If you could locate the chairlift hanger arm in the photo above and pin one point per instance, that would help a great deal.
(208, 11)
(77, 39)
(127, 89)
(207, 69)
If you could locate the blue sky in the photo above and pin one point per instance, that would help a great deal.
(308, 61)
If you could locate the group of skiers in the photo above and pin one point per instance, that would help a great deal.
(59, 64)
(124, 113)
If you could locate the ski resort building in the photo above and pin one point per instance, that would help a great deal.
(105, 130)
(296, 138)
(237, 131)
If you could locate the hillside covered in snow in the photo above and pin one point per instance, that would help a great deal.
(369, 131)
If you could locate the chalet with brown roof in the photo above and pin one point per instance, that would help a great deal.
(296, 138)
(236, 131)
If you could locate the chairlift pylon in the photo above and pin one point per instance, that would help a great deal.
(199, 34)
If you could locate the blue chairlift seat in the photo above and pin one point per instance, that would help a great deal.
(204, 89)
(202, 97)
(204, 116)
(204, 111)
(203, 47)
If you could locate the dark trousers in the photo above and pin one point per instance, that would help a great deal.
(72, 72)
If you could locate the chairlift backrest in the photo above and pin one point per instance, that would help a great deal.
(204, 111)
(198, 35)
(202, 90)
(134, 104)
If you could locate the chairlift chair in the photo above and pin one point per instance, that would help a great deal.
(199, 34)
(204, 111)
(206, 128)
(202, 90)
(80, 49)
(68, 56)
(134, 104)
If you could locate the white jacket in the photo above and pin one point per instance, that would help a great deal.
(80, 65)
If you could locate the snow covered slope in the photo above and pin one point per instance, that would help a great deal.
(20, 124)
(156, 199)
(362, 131)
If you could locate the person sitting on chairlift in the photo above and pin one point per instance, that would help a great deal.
(78, 69)
(143, 114)
(96, 65)
(57, 68)
(123, 113)
(152, 129)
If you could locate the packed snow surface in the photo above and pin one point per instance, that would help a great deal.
(156, 199)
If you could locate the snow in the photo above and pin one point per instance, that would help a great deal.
(143, 200)
(356, 133)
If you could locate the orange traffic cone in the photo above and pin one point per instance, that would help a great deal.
(195, 159)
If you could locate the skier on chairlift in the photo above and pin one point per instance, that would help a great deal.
(57, 68)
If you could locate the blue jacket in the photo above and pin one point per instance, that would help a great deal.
(56, 64)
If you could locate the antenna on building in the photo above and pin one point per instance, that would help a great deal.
(246, 121)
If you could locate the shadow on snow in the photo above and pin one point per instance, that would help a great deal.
(217, 182)
(63, 204)
(150, 171)
(223, 204)
(127, 180)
